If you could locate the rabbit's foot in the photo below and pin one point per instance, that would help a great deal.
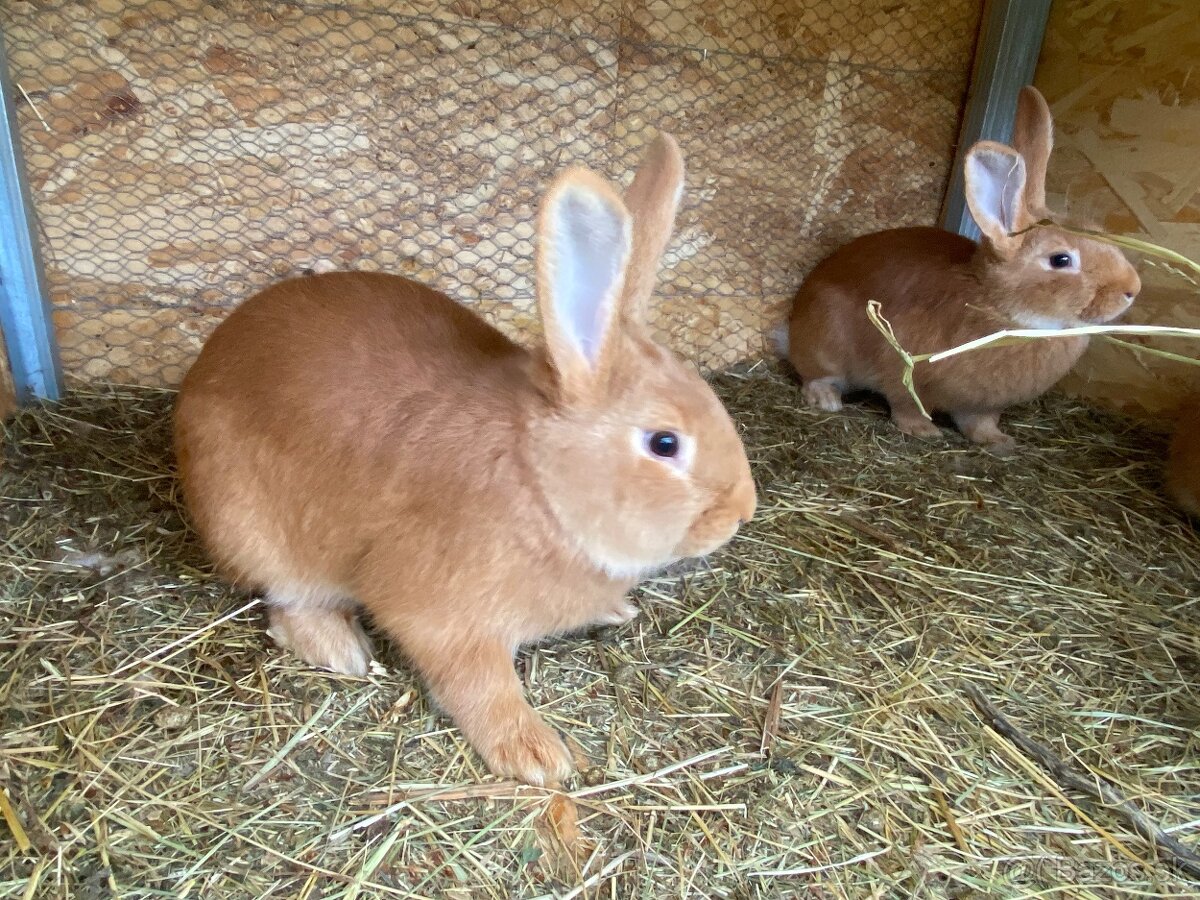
(330, 638)
(984, 429)
(618, 614)
(916, 425)
(823, 393)
(526, 748)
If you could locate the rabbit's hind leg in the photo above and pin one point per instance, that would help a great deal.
(320, 626)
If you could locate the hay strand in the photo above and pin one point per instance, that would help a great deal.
(13, 822)
(1019, 335)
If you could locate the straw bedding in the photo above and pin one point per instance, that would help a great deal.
(793, 717)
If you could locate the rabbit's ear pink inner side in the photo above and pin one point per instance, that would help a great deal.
(584, 244)
(652, 199)
(995, 177)
(1033, 138)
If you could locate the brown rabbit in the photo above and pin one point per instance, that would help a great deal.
(940, 289)
(359, 439)
(1183, 459)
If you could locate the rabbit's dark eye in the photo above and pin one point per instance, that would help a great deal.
(664, 444)
(1060, 260)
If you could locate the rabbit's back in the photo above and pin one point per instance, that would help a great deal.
(920, 276)
(322, 404)
(900, 265)
(345, 344)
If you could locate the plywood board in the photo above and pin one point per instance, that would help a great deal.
(1120, 79)
(185, 154)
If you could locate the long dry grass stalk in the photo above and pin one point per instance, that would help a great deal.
(1176, 263)
(1097, 788)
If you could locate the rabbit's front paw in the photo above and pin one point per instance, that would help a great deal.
(530, 751)
(916, 425)
(822, 393)
(618, 614)
(984, 429)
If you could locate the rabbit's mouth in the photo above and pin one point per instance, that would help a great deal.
(707, 538)
(1106, 308)
(718, 524)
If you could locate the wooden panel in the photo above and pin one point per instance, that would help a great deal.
(186, 154)
(1121, 82)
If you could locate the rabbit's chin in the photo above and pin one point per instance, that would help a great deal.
(690, 553)
(1037, 320)
(702, 542)
(633, 569)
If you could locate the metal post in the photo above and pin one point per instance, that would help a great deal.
(1010, 39)
(24, 303)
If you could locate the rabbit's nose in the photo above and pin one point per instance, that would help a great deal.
(1129, 295)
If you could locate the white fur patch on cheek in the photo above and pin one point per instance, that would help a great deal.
(1037, 320)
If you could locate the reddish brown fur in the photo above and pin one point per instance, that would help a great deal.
(1183, 460)
(939, 290)
(361, 439)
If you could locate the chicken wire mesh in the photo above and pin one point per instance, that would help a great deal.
(184, 154)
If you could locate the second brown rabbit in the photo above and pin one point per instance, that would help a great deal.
(939, 290)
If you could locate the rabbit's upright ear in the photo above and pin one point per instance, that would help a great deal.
(652, 199)
(995, 178)
(583, 251)
(1033, 138)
